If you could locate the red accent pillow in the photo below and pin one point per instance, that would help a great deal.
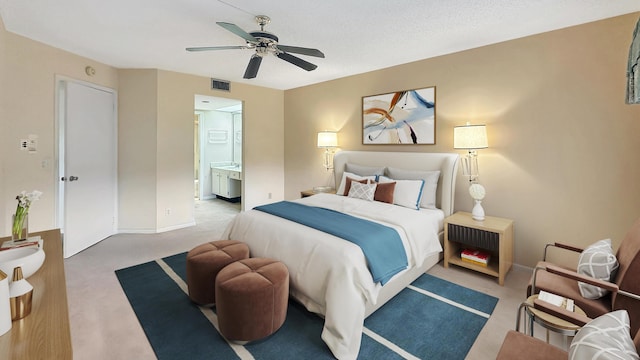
(384, 192)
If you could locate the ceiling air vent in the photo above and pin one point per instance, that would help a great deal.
(217, 84)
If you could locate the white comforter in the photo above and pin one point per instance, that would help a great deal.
(329, 275)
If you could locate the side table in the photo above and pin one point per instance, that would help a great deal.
(305, 193)
(548, 321)
(493, 234)
(45, 333)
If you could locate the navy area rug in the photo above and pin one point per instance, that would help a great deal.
(430, 319)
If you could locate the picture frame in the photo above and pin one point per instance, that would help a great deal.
(217, 136)
(405, 117)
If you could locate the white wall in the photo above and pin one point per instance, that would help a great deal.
(214, 152)
(237, 138)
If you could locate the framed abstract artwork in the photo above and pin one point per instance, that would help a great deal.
(402, 117)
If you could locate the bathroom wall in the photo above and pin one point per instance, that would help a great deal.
(216, 137)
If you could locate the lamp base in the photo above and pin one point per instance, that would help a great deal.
(478, 212)
(21, 305)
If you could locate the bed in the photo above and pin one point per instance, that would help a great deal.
(331, 276)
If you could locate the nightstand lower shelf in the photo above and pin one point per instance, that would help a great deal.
(491, 268)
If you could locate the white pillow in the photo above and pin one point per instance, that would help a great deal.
(340, 190)
(364, 170)
(428, 199)
(407, 192)
(605, 337)
(362, 191)
(597, 261)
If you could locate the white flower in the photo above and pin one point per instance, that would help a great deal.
(25, 199)
(477, 191)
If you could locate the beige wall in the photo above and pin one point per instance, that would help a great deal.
(155, 136)
(3, 126)
(137, 148)
(28, 71)
(563, 159)
(156, 143)
(564, 156)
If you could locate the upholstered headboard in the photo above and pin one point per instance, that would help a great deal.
(447, 163)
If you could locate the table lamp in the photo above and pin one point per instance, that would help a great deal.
(329, 141)
(471, 138)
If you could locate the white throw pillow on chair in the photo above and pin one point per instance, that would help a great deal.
(605, 337)
(597, 261)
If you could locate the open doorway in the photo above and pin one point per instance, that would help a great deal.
(218, 148)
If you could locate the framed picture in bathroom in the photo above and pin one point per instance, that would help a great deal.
(218, 136)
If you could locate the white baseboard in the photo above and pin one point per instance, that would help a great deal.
(156, 231)
(176, 227)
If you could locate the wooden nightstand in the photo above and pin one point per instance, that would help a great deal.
(493, 235)
(310, 192)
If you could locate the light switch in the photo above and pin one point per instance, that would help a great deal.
(30, 144)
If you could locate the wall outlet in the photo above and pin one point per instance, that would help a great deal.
(167, 211)
(269, 196)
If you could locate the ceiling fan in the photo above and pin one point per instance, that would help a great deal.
(263, 43)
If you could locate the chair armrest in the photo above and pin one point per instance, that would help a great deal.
(561, 313)
(560, 246)
(582, 278)
(554, 269)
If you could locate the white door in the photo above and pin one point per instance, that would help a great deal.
(87, 153)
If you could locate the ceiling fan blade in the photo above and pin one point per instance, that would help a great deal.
(207, 48)
(296, 61)
(252, 68)
(236, 30)
(301, 50)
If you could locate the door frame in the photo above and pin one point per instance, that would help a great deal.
(59, 146)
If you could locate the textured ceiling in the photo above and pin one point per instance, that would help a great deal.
(355, 36)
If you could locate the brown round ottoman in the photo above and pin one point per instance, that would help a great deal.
(205, 261)
(252, 297)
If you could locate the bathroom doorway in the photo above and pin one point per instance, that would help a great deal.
(218, 148)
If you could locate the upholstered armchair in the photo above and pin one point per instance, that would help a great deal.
(606, 337)
(622, 288)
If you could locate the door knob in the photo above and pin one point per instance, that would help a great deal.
(73, 178)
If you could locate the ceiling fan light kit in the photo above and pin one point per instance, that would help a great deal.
(264, 43)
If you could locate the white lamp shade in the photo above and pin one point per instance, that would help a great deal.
(470, 137)
(327, 139)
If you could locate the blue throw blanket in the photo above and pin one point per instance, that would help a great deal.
(380, 244)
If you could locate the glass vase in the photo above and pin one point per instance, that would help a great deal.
(20, 229)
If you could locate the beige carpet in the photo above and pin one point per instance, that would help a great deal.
(103, 325)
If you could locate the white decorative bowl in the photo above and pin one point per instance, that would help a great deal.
(29, 258)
